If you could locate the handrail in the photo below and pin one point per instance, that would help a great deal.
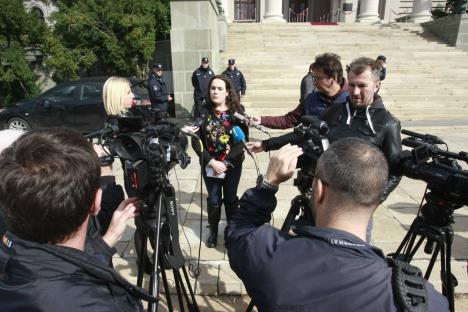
(299, 17)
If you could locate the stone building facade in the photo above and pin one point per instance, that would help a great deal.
(350, 11)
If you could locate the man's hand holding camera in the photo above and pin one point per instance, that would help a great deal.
(282, 164)
(127, 209)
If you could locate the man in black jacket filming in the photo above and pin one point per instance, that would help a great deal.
(49, 191)
(329, 266)
(363, 115)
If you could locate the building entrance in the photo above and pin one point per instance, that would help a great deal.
(245, 10)
(298, 11)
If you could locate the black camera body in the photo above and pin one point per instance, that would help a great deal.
(150, 151)
(311, 136)
(438, 168)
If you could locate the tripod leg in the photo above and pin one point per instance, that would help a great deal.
(296, 205)
(450, 279)
(194, 307)
(250, 307)
(179, 291)
(165, 284)
(141, 259)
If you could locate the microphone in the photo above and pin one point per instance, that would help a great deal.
(189, 133)
(239, 137)
(103, 132)
(429, 138)
(246, 120)
(315, 123)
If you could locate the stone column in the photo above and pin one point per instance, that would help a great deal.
(421, 11)
(226, 10)
(273, 12)
(369, 11)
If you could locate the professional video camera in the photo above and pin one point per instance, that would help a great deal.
(447, 190)
(439, 168)
(148, 152)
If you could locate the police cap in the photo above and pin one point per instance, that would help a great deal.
(205, 60)
(231, 61)
(157, 66)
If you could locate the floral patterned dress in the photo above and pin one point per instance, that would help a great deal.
(219, 139)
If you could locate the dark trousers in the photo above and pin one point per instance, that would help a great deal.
(197, 103)
(222, 190)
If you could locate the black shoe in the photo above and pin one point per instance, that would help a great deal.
(213, 238)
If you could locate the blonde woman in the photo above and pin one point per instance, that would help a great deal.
(117, 96)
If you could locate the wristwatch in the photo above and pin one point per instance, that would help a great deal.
(263, 184)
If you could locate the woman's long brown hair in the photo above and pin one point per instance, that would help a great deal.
(232, 100)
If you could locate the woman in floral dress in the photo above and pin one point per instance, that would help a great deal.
(220, 158)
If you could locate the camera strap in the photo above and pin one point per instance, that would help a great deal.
(174, 255)
(409, 287)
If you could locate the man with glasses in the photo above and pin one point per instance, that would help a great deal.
(331, 88)
(329, 266)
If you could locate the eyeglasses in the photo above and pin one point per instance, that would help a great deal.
(315, 78)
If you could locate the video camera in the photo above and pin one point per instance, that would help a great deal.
(439, 168)
(311, 135)
(148, 150)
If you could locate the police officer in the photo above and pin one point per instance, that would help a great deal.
(236, 77)
(158, 89)
(200, 79)
(329, 266)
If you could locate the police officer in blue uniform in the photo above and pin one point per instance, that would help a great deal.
(329, 266)
(200, 80)
(236, 77)
(159, 95)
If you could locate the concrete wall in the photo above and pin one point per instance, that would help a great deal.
(195, 33)
(452, 29)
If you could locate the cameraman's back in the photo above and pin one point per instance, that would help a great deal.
(49, 189)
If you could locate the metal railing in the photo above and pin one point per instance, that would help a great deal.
(301, 17)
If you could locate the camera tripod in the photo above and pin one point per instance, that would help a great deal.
(158, 223)
(435, 226)
(300, 211)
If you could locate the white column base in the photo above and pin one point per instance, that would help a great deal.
(273, 19)
(420, 18)
(368, 19)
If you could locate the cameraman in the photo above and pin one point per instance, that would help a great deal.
(330, 88)
(49, 190)
(328, 267)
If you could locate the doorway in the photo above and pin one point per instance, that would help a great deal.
(298, 11)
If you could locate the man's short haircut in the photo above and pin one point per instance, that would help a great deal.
(360, 65)
(48, 185)
(330, 64)
(355, 170)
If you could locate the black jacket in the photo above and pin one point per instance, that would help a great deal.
(237, 79)
(157, 89)
(200, 79)
(375, 125)
(236, 155)
(320, 269)
(49, 278)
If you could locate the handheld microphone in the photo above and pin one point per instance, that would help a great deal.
(316, 123)
(246, 120)
(239, 137)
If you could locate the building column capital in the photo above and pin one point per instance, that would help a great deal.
(273, 12)
(369, 11)
(421, 11)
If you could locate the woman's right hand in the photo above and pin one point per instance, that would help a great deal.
(218, 166)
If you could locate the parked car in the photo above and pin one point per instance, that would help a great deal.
(76, 104)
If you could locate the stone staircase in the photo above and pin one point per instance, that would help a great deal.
(426, 79)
